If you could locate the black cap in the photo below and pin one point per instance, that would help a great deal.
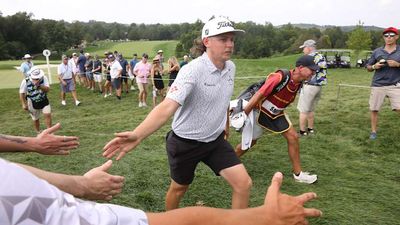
(307, 61)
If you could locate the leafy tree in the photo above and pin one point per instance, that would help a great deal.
(359, 39)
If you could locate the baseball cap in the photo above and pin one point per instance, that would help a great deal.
(391, 29)
(160, 51)
(64, 57)
(27, 56)
(218, 25)
(307, 61)
(35, 73)
(107, 53)
(309, 43)
(110, 56)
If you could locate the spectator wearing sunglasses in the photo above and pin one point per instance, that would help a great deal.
(385, 62)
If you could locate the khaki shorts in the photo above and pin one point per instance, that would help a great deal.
(35, 113)
(308, 98)
(142, 86)
(378, 95)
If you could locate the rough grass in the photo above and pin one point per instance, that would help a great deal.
(358, 179)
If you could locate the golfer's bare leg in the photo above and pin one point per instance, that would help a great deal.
(241, 183)
(374, 120)
(174, 195)
(293, 149)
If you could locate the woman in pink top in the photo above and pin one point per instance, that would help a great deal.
(142, 71)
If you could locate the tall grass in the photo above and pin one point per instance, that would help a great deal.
(359, 181)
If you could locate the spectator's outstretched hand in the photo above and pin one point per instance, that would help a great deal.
(121, 144)
(283, 209)
(49, 144)
(100, 185)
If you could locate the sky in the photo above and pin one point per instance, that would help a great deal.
(381, 13)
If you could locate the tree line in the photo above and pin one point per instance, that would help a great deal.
(20, 34)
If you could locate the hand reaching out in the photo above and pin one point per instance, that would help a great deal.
(121, 144)
(48, 143)
(100, 185)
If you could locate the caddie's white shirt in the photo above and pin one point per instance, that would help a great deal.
(203, 93)
(26, 199)
(23, 87)
(65, 71)
(115, 66)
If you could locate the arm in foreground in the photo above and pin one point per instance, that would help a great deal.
(278, 209)
(96, 184)
(126, 141)
(45, 143)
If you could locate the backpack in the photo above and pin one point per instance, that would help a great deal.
(252, 89)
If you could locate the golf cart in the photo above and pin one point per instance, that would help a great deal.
(336, 58)
(344, 59)
(329, 56)
(363, 62)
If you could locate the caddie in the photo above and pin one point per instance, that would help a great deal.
(265, 110)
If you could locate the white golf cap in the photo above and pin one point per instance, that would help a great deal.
(27, 56)
(309, 43)
(218, 25)
(160, 51)
(35, 73)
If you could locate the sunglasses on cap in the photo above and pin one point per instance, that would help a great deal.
(389, 35)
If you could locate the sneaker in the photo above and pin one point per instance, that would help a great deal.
(63, 102)
(144, 104)
(133, 88)
(373, 136)
(305, 177)
(310, 131)
(105, 95)
(302, 134)
(140, 104)
(77, 103)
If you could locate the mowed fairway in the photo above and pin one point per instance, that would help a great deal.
(359, 179)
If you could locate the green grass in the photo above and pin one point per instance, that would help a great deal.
(359, 181)
(11, 77)
(128, 48)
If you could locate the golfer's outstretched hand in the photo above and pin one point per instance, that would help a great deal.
(285, 209)
(121, 144)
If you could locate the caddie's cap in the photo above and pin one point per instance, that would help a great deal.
(307, 61)
(309, 43)
(160, 51)
(218, 25)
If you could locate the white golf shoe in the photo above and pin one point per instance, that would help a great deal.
(305, 177)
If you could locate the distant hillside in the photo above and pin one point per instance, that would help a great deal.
(323, 27)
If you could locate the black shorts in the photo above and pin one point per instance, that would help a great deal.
(276, 124)
(116, 83)
(185, 154)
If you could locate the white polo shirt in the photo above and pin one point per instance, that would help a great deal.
(65, 71)
(204, 92)
(114, 68)
(26, 199)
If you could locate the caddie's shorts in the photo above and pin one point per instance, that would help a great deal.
(277, 124)
(184, 155)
